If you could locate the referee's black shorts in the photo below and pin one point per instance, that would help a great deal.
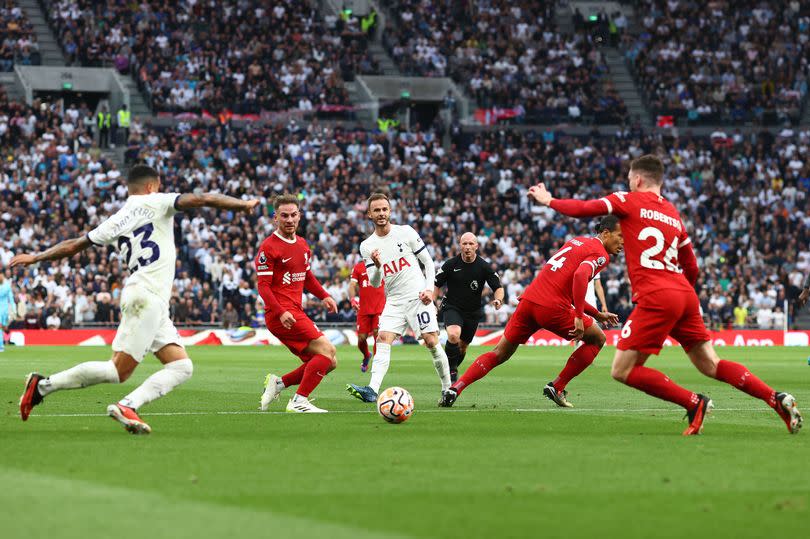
(468, 320)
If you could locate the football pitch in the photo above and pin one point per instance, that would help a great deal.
(504, 462)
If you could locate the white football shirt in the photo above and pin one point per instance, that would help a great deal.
(401, 271)
(590, 292)
(143, 233)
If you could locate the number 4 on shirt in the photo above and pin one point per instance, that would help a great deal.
(557, 261)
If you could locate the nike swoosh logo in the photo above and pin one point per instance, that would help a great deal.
(457, 269)
(285, 260)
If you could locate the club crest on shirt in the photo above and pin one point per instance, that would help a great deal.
(400, 247)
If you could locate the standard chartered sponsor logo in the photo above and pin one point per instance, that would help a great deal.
(289, 278)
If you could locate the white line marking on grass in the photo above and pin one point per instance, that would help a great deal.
(430, 411)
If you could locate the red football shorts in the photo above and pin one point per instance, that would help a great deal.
(530, 317)
(368, 323)
(662, 313)
(299, 336)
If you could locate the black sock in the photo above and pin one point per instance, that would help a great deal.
(453, 355)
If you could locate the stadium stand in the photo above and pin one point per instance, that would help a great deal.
(735, 62)
(195, 56)
(744, 198)
(18, 42)
(507, 55)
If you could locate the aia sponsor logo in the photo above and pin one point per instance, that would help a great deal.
(395, 266)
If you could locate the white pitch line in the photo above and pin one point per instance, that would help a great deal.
(429, 411)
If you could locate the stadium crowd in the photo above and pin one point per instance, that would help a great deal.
(509, 55)
(245, 56)
(730, 62)
(18, 42)
(743, 197)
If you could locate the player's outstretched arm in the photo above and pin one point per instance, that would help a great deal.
(568, 206)
(63, 249)
(188, 201)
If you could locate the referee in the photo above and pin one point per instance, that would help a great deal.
(464, 276)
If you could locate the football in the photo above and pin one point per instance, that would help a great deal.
(395, 405)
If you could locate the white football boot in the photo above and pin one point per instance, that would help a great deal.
(272, 388)
(301, 405)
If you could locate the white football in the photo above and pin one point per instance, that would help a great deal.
(395, 405)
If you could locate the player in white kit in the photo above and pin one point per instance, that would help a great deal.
(143, 233)
(393, 253)
(595, 290)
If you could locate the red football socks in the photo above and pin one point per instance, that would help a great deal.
(578, 362)
(362, 344)
(479, 368)
(293, 378)
(658, 384)
(739, 376)
(315, 369)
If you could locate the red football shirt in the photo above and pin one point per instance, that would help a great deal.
(284, 263)
(653, 234)
(372, 300)
(555, 282)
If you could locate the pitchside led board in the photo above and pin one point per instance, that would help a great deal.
(484, 337)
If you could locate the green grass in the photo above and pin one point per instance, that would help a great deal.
(503, 463)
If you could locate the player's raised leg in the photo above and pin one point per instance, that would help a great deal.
(478, 369)
(520, 327)
(592, 342)
(86, 374)
(707, 361)
(628, 368)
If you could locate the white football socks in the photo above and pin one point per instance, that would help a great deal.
(441, 365)
(85, 374)
(379, 366)
(160, 383)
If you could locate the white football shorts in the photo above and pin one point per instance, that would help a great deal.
(419, 317)
(145, 324)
